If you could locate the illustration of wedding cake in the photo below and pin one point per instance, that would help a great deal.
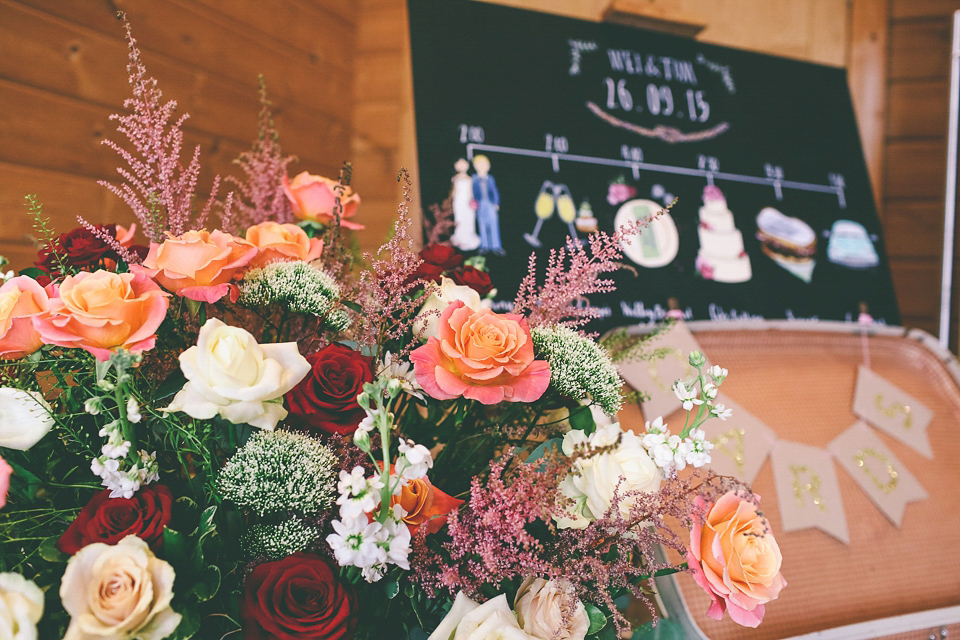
(721, 256)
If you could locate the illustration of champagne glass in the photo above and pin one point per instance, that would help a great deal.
(543, 207)
(566, 209)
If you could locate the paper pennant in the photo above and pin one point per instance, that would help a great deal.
(807, 490)
(656, 377)
(741, 443)
(893, 411)
(878, 472)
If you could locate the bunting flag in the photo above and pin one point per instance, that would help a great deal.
(878, 472)
(881, 404)
(741, 443)
(656, 377)
(807, 490)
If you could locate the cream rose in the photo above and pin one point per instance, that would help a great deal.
(492, 620)
(549, 610)
(116, 592)
(593, 480)
(21, 607)
(425, 324)
(25, 417)
(230, 374)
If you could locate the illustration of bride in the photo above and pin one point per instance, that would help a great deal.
(465, 235)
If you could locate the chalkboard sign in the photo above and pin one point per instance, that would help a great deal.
(541, 127)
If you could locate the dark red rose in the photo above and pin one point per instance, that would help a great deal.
(80, 249)
(472, 277)
(426, 272)
(297, 598)
(326, 398)
(110, 520)
(441, 255)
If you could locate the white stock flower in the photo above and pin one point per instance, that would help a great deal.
(115, 592)
(355, 542)
(25, 417)
(133, 411)
(229, 374)
(402, 371)
(720, 411)
(550, 609)
(699, 451)
(21, 607)
(718, 372)
(358, 494)
(425, 324)
(416, 458)
(594, 479)
(687, 396)
(710, 390)
(492, 620)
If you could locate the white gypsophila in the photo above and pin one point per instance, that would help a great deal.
(356, 542)
(579, 368)
(297, 286)
(358, 494)
(402, 371)
(229, 374)
(718, 373)
(25, 417)
(21, 607)
(686, 396)
(416, 459)
(720, 411)
(624, 467)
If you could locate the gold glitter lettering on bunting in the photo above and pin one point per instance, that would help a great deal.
(881, 404)
(741, 442)
(877, 470)
(807, 490)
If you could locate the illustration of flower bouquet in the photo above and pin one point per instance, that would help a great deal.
(250, 432)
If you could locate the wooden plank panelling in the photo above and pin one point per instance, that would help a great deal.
(922, 9)
(919, 50)
(913, 229)
(915, 169)
(917, 109)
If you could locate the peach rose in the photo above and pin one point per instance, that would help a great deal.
(480, 355)
(116, 592)
(313, 198)
(198, 265)
(425, 504)
(102, 312)
(282, 243)
(21, 298)
(735, 559)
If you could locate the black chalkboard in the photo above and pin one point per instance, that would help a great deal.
(562, 109)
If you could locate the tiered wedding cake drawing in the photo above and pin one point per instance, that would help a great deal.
(721, 256)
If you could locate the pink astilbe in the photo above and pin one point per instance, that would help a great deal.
(261, 192)
(157, 187)
(440, 228)
(384, 290)
(128, 256)
(573, 272)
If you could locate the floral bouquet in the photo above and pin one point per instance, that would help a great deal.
(252, 431)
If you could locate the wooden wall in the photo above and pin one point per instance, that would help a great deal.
(918, 68)
(63, 72)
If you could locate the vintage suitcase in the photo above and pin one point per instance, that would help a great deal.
(887, 583)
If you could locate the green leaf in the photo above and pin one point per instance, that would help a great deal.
(49, 552)
(353, 306)
(392, 588)
(169, 387)
(189, 624)
(597, 619)
(207, 585)
(582, 419)
(540, 451)
(33, 272)
(176, 546)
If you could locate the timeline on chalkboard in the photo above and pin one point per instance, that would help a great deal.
(540, 128)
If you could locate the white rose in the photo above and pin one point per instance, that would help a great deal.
(542, 605)
(25, 417)
(229, 374)
(593, 480)
(425, 324)
(116, 592)
(492, 620)
(21, 607)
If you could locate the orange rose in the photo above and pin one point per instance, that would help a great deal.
(313, 198)
(282, 243)
(21, 298)
(734, 557)
(480, 355)
(424, 503)
(198, 265)
(102, 312)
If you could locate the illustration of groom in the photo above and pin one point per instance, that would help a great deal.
(487, 203)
